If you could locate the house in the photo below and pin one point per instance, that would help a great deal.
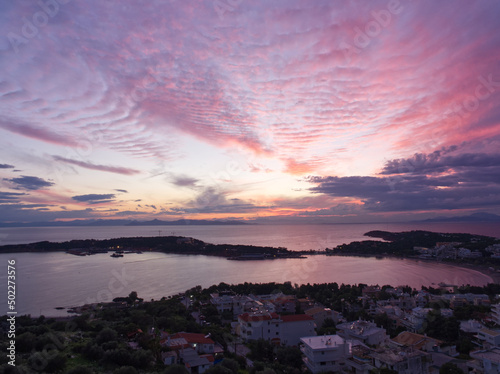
(471, 326)
(416, 341)
(259, 326)
(325, 353)
(169, 358)
(495, 313)
(199, 342)
(286, 329)
(485, 361)
(295, 326)
(320, 314)
(403, 361)
(235, 304)
(195, 351)
(364, 331)
(489, 338)
(195, 363)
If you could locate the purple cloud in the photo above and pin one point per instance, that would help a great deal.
(91, 166)
(94, 198)
(30, 182)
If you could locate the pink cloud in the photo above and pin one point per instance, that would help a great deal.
(91, 166)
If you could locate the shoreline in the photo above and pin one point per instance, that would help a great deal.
(483, 269)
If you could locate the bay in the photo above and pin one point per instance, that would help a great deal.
(49, 280)
(293, 237)
(57, 279)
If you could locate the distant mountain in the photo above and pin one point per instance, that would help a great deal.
(476, 217)
(157, 222)
(119, 222)
(79, 222)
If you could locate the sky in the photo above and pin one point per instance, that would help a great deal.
(283, 110)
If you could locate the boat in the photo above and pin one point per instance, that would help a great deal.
(116, 255)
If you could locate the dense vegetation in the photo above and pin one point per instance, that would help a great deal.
(403, 243)
(167, 244)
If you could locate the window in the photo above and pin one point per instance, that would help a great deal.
(249, 324)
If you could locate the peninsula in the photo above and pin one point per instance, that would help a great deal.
(165, 244)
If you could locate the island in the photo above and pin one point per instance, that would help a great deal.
(166, 244)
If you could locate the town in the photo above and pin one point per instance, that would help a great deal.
(272, 328)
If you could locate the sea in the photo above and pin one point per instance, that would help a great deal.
(46, 281)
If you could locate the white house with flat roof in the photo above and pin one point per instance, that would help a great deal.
(325, 353)
(486, 361)
(364, 331)
(286, 329)
(489, 338)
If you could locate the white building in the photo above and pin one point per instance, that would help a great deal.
(485, 362)
(364, 331)
(325, 353)
(287, 329)
(320, 314)
(495, 313)
(295, 326)
(236, 304)
(489, 338)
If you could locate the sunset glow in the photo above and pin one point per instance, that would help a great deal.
(323, 111)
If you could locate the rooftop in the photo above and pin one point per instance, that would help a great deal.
(323, 342)
(490, 332)
(258, 317)
(316, 310)
(492, 355)
(411, 339)
(193, 338)
(296, 318)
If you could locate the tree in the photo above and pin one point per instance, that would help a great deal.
(132, 297)
(219, 369)
(81, 370)
(450, 368)
(106, 335)
(231, 365)
(175, 369)
(125, 370)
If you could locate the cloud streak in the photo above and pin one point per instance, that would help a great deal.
(91, 166)
(30, 182)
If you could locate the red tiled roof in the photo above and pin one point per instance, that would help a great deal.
(297, 318)
(193, 338)
(256, 318)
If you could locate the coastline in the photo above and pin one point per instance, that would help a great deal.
(483, 269)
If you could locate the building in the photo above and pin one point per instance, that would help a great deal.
(364, 331)
(495, 313)
(199, 342)
(287, 329)
(471, 326)
(236, 304)
(325, 353)
(485, 361)
(416, 341)
(259, 326)
(195, 363)
(403, 361)
(489, 338)
(295, 326)
(320, 314)
(194, 351)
